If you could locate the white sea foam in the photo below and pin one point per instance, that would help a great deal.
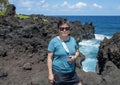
(101, 37)
(92, 42)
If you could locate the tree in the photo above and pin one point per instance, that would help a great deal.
(3, 4)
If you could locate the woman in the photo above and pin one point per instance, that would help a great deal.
(61, 58)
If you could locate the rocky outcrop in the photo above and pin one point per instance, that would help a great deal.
(109, 50)
(81, 32)
(23, 47)
(31, 35)
(109, 60)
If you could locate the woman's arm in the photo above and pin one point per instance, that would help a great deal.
(76, 54)
(49, 64)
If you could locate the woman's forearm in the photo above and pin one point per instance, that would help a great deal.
(49, 63)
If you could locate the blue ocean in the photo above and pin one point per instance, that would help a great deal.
(105, 26)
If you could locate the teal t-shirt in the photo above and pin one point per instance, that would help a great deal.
(60, 58)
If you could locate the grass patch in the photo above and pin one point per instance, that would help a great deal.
(22, 16)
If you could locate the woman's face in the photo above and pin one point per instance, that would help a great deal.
(64, 30)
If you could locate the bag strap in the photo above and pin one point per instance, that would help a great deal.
(64, 45)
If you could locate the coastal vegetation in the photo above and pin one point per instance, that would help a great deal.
(2, 12)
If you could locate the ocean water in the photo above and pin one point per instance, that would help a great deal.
(105, 26)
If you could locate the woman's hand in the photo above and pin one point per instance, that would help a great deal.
(71, 58)
(51, 78)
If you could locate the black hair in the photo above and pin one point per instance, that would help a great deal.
(62, 21)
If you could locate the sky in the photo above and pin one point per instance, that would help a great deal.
(68, 7)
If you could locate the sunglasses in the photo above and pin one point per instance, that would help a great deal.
(64, 28)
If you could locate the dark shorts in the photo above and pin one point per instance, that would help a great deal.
(65, 78)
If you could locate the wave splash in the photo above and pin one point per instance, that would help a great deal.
(89, 48)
